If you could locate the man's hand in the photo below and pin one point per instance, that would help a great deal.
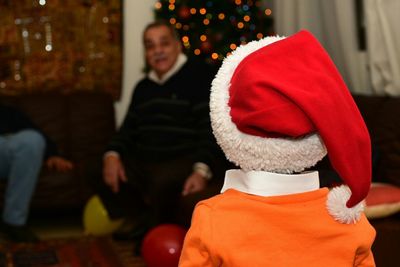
(194, 183)
(59, 164)
(113, 172)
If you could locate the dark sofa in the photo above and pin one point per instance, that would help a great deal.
(81, 124)
(382, 116)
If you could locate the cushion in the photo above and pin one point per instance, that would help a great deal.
(383, 200)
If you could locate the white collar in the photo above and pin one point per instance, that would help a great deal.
(270, 184)
(180, 61)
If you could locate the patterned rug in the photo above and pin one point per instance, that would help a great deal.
(84, 252)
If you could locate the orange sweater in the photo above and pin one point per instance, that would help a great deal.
(237, 229)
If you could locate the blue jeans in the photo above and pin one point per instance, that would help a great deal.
(21, 157)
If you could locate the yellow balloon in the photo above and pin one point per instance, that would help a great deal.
(96, 220)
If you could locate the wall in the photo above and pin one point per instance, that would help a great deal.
(137, 14)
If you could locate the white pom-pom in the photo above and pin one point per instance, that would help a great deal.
(336, 205)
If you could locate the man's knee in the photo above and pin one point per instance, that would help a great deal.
(30, 142)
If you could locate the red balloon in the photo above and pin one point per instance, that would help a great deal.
(184, 12)
(162, 245)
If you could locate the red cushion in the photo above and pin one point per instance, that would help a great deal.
(383, 200)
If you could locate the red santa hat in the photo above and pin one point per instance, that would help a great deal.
(279, 105)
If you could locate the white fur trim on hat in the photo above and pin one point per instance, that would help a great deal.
(336, 205)
(281, 155)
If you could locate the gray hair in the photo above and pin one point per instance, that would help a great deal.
(160, 23)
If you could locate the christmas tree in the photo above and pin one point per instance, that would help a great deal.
(210, 29)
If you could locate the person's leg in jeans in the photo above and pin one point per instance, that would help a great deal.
(21, 159)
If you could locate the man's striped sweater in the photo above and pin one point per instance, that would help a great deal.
(171, 119)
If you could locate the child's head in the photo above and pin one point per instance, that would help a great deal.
(279, 105)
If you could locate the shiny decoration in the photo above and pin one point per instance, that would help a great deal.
(205, 47)
(185, 39)
(184, 12)
(157, 5)
(61, 46)
(212, 26)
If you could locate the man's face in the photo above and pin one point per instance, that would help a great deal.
(161, 49)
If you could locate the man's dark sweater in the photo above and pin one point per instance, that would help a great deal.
(169, 120)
